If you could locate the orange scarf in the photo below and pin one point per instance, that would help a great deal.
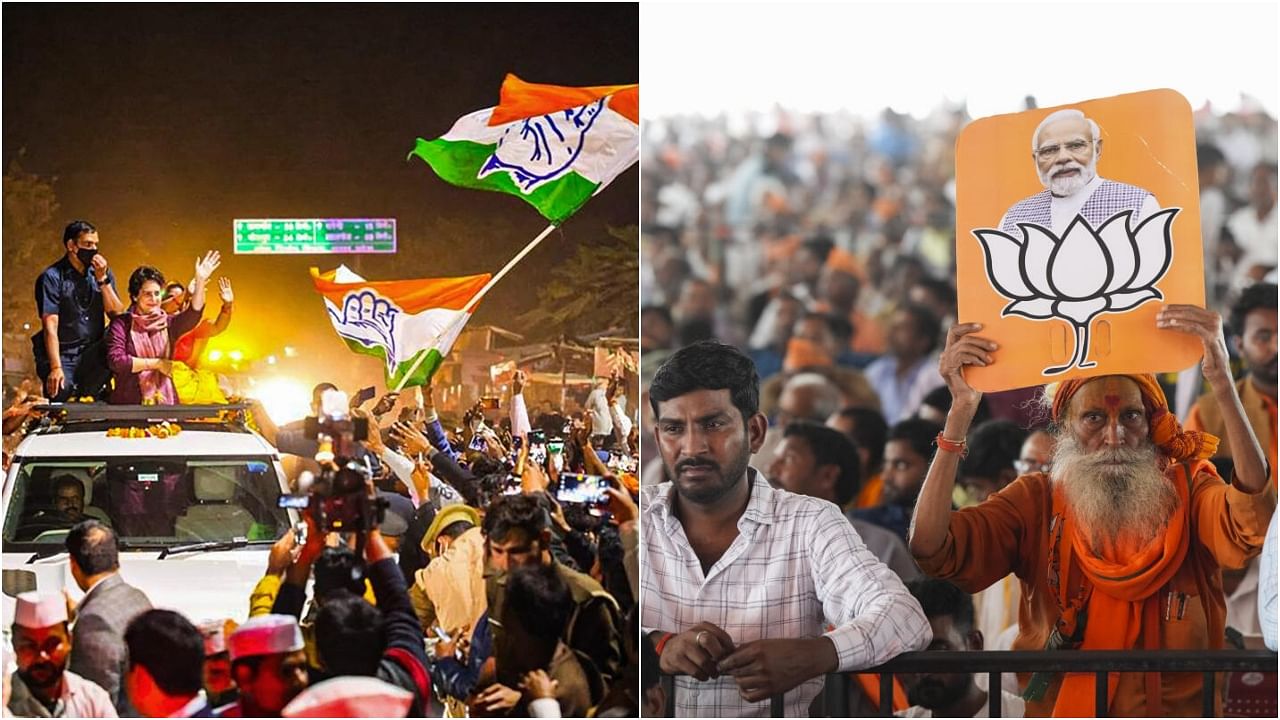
(1120, 583)
(1123, 581)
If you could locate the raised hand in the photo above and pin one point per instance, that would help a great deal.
(99, 267)
(224, 291)
(373, 440)
(557, 515)
(1206, 325)
(411, 440)
(533, 479)
(207, 265)
(385, 403)
(283, 553)
(422, 473)
(964, 348)
(581, 436)
(621, 506)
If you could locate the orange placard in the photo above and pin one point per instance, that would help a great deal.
(1074, 225)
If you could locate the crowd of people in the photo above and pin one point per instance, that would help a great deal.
(494, 575)
(821, 251)
(93, 346)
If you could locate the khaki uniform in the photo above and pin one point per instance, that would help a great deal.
(594, 626)
(450, 591)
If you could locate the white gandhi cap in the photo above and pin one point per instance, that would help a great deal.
(265, 635)
(36, 610)
(215, 637)
(350, 696)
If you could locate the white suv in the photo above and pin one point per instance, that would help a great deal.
(194, 513)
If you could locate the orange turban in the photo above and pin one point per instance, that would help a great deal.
(1166, 432)
(804, 353)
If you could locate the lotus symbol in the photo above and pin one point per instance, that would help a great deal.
(1081, 275)
(542, 148)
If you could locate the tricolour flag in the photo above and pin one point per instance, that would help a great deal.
(551, 145)
(399, 320)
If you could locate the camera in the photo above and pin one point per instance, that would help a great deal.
(338, 497)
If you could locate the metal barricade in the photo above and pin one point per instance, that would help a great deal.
(995, 663)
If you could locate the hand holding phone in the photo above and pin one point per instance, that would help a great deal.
(385, 403)
(362, 396)
(583, 489)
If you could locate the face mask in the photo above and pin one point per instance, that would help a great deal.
(86, 256)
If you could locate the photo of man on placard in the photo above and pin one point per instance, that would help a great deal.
(1066, 147)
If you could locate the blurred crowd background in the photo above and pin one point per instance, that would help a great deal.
(815, 240)
(823, 245)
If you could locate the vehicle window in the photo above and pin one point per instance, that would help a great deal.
(151, 501)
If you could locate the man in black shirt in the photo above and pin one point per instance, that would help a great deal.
(72, 295)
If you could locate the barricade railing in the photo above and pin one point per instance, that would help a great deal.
(995, 663)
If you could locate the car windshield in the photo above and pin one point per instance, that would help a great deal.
(148, 501)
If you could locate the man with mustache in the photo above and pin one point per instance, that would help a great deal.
(952, 695)
(42, 684)
(1253, 322)
(1121, 544)
(741, 582)
(1066, 147)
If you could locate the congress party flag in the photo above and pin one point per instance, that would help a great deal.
(408, 324)
(551, 145)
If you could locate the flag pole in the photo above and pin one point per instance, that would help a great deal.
(466, 309)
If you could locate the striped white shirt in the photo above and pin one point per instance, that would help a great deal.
(796, 567)
(1267, 586)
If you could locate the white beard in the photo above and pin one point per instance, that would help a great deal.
(1068, 186)
(1107, 498)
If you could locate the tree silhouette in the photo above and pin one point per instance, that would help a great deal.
(593, 290)
(30, 241)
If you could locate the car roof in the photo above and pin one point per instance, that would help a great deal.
(81, 429)
(93, 442)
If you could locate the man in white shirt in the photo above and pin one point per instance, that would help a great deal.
(1267, 590)
(740, 581)
(904, 375)
(597, 405)
(1066, 147)
(1253, 228)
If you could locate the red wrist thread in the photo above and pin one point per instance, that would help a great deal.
(960, 447)
(662, 642)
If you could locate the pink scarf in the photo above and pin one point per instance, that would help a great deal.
(150, 335)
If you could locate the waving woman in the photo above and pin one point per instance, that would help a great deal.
(140, 341)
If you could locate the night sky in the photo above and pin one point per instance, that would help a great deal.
(162, 124)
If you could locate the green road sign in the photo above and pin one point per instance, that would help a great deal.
(316, 236)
